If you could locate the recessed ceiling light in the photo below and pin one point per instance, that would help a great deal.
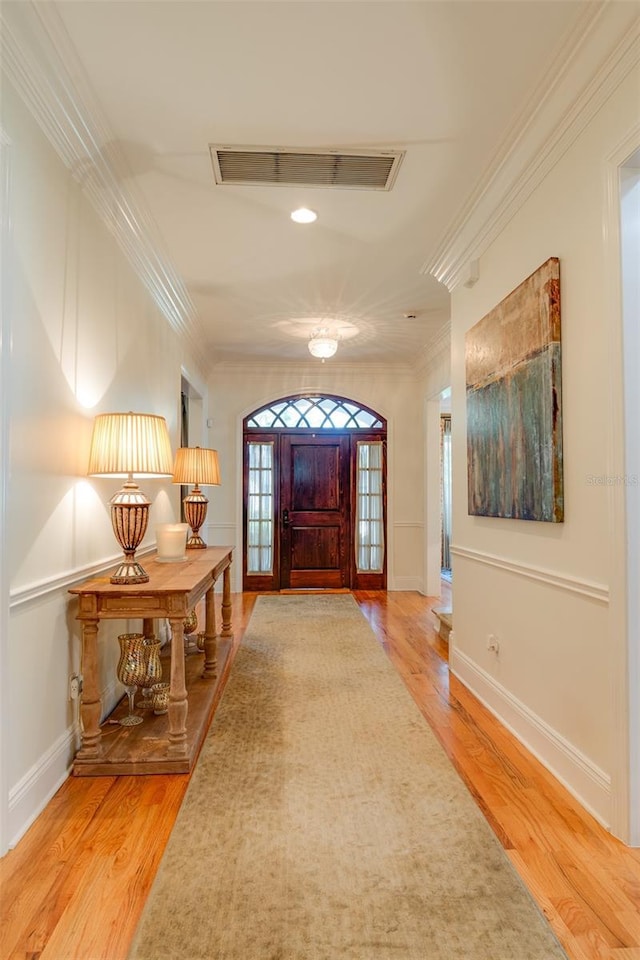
(303, 215)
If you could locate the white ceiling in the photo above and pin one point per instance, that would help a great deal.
(448, 82)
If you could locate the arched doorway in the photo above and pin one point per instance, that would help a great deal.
(314, 495)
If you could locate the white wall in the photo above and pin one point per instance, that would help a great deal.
(543, 589)
(235, 391)
(86, 338)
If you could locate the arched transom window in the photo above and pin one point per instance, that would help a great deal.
(315, 412)
(314, 494)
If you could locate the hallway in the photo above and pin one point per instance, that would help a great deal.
(74, 886)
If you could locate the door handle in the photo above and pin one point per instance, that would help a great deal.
(285, 518)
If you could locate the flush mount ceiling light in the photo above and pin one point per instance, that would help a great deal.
(322, 344)
(304, 215)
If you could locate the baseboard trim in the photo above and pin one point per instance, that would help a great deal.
(586, 588)
(33, 792)
(590, 785)
(29, 797)
(407, 583)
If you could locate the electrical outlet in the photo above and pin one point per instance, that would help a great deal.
(493, 644)
(75, 686)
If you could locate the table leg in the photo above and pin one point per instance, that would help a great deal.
(90, 703)
(210, 638)
(178, 705)
(226, 603)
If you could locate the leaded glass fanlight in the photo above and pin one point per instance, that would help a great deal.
(315, 413)
(314, 494)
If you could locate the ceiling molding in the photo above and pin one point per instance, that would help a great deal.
(593, 61)
(40, 60)
(315, 369)
(435, 349)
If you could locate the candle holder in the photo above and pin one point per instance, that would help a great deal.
(131, 671)
(171, 542)
(153, 669)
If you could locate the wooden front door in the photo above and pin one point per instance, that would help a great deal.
(315, 513)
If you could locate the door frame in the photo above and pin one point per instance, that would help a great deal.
(623, 448)
(357, 580)
(342, 574)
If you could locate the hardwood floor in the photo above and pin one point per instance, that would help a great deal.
(74, 886)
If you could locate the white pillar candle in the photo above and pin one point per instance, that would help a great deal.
(171, 540)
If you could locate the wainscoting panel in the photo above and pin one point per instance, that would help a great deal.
(530, 643)
(587, 782)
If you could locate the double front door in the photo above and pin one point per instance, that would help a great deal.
(300, 525)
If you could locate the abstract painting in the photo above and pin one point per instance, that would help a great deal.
(514, 404)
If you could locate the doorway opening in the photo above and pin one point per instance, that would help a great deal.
(191, 422)
(314, 495)
(445, 488)
(445, 485)
(630, 287)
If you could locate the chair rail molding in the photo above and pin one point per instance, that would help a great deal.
(586, 588)
(593, 61)
(41, 62)
(32, 592)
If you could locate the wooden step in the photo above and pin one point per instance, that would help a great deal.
(444, 616)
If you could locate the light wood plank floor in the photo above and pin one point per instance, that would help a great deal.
(74, 886)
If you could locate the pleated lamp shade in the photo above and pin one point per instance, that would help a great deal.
(197, 465)
(130, 443)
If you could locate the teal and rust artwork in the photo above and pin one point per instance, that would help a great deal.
(514, 404)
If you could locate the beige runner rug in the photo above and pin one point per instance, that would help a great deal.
(324, 821)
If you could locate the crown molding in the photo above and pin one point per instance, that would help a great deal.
(435, 349)
(593, 60)
(316, 370)
(40, 60)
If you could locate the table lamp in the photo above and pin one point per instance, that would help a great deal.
(196, 465)
(124, 444)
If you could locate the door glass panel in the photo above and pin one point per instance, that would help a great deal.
(369, 517)
(260, 508)
(315, 412)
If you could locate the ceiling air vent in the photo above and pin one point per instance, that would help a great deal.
(289, 167)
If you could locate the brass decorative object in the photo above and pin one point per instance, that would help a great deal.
(196, 465)
(153, 669)
(124, 444)
(131, 670)
(160, 698)
(190, 622)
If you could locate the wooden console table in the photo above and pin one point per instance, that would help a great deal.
(163, 744)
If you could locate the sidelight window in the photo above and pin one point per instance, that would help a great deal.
(370, 508)
(260, 508)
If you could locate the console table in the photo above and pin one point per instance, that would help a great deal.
(169, 743)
